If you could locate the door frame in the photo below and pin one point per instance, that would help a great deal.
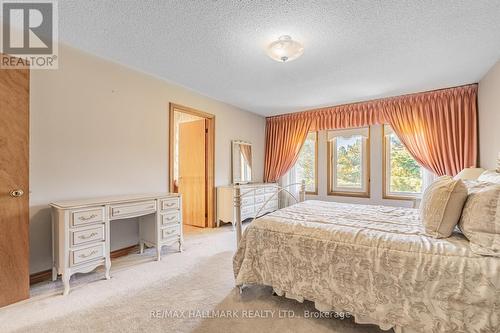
(209, 157)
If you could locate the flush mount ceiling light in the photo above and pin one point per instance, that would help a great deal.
(285, 49)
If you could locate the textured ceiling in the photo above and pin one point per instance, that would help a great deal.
(354, 50)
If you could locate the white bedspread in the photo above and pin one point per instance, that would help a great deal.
(375, 262)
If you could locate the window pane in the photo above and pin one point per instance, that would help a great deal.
(405, 173)
(349, 162)
(306, 164)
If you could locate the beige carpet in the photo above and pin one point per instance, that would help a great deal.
(189, 292)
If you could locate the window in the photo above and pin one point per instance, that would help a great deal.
(306, 166)
(349, 162)
(403, 176)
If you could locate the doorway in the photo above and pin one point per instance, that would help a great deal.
(191, 163)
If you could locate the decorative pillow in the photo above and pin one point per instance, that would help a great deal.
(490, 176)
(480, 221)
(442, 205)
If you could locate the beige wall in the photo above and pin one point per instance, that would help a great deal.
(489, 118)
(98, 128)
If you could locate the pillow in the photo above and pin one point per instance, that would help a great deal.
(442, 205)
(480, 221)
(490, 176)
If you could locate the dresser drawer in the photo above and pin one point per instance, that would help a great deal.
(271, 189)
(247, 201)
(272, 205)
(271, 195)
(170, 204)
(133, 209)
(259, 199)
(171, 218)
(247, 212)
(87, 254)
(82, 236)
(88, 216)
(171, 232)
(260, 190)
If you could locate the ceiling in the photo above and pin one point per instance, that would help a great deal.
(354, 50)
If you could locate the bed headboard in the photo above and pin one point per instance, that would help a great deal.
(237, 196)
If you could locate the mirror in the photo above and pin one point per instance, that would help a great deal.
(242, 162)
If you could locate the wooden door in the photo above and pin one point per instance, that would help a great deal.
(14, 205)
(192, 172)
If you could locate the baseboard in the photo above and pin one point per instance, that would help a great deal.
(40, 276)
(47, 275)
(125, 251)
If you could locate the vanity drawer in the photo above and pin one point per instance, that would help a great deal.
(86, 254)
(170, 232)
(170, 204)
(82, 236)
(88, 216)
(133, 209)
(170, 218)
(259, 199)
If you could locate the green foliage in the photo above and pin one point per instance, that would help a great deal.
(305, 163)
(349, 164)
(406, 173)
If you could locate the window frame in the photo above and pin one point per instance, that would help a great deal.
(367, 175)
(386, 162)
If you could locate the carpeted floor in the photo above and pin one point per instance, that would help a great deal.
(191, 291)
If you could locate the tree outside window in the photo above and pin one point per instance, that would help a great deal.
(305, 167)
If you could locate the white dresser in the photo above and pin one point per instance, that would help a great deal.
(80, 229)
(253, 197)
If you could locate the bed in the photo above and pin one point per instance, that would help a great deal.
(374, 262)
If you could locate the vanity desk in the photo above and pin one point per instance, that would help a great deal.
(80, 229)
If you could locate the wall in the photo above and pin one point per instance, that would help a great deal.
(98, 128)
(376, 179)
(489, 118)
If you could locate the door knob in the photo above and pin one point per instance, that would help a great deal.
(16, 193)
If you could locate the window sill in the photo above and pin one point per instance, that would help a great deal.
(350, 194)
(401, 197)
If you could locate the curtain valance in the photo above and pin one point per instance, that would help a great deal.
(439, 128)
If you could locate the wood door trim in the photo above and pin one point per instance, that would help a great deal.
(209, 158)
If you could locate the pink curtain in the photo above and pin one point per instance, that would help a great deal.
(439, 128)
(285, 136)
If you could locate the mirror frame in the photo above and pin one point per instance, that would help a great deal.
(239, 142)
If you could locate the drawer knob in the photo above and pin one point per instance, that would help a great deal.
(170, 204)
(86, 218)
(88, 236)
(83, 255)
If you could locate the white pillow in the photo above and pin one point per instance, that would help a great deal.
(442, 205)
(490, 176)
(480, 221)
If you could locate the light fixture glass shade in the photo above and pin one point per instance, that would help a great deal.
(285, 49)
